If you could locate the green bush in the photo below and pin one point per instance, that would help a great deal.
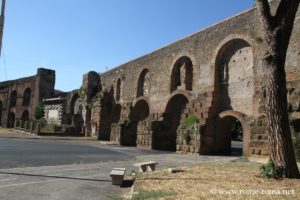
(39, 111)
(187, 138)
(271, 171)
(82, 91)
(191, 120)
(48, 128)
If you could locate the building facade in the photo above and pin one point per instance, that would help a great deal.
(19, 97)
(215, 74)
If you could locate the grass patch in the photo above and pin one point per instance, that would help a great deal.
(201, 181)
(5, 130)
(152, 194)
(112, 197)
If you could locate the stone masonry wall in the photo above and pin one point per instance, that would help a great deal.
(40, 86)
(224, 67)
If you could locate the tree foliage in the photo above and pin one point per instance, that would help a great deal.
(39, 111)
(191, 120)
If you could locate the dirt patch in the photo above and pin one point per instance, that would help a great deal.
(5, 130)
(231, 180)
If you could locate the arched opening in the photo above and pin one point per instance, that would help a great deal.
(76, 111)
(27, 97)
(11, 120)
(1, 108)
(233, 134)
(13, 99)
(94, 84)
(143, 84)
(74, 107)
(165, 132)
(234, 70)
(107, 104)
(25, 116)
(138, 113)
(182, 75)
(118, 91)
(230, 136)
(116, 113)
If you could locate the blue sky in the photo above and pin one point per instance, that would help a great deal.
(77, 36)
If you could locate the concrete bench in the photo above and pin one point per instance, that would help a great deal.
(146, 166)
(117, 175)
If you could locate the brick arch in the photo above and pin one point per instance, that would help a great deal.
(164, 135)
(229, 38)
(27, 97)
(93, 84)
(180, 55)
(176, 74)
(233, 63)
(138, 113)
(142, 98)
(185, 93)
(245, 125)
(13, 99)
(225, 41)
(25, 115)
(118, 89)
(141, 82)
(116, 113)
(74, 98)
(107, 103)
(11, 120)
(140, 109)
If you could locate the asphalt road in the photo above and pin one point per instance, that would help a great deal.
(40, 169)
(20, 153)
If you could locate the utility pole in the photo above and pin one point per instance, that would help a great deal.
(2, 24)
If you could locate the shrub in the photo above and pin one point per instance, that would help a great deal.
(48, 128)
(191, 120)
(271, 171)
(82, 91)
(187, 138)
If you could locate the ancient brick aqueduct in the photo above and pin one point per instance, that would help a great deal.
(215, 74)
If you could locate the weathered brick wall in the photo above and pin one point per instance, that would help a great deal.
(201, 48)
(227, 74)
(41, 86)
(294, 114)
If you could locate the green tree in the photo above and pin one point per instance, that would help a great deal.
(39, 111)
